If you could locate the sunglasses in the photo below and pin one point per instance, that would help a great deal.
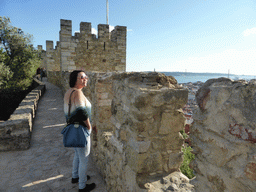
(84, 77)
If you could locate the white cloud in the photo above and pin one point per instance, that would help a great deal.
(111, 28)
(248, 32)
(94, 31)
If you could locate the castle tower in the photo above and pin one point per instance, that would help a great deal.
(104, 53)
(67, 47)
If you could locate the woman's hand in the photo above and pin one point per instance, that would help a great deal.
(94, 129)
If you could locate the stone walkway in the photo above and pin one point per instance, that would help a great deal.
(47, 165)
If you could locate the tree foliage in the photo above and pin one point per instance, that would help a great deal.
(18, 58)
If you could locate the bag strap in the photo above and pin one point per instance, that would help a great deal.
(69, 103)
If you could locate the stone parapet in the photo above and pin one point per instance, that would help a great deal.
(103, 31)
(15, 133)
(223, 136)
(138, 117)
(85, 28)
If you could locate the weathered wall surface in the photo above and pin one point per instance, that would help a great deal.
(223, 136)
(138, 118)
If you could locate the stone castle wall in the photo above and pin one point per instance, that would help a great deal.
(104, 53)
(223, 136)
(15, 133)
(138, 118)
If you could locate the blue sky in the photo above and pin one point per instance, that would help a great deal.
(165, 35)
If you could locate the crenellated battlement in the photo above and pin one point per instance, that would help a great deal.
(103, 31)
(86, 28)
(86, 31)
(66, 26)
(104, 53)
(49, 45)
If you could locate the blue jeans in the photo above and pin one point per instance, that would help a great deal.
(80, 162)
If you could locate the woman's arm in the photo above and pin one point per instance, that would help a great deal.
(88, 124)
(80, 102)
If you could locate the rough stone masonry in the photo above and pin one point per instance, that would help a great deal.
(223, 136)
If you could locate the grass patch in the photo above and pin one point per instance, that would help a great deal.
(185, 136)
(188, 157)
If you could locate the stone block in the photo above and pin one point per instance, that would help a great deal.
(101, 88)
(106, 102)
(139, 146)
(123, 135)
(131, 181)
(65, 45)
(102, 96)
(134, 159)
(64, 60)
(28, 102)
(71, 68)
(145, 162)
(71, 62)
(118, 145)
(104, 114)
(250, 171)
(175, 161)
(65, 53)
(122, 47)
(171, 123)
(25, 109)
(115, 122)
(157, 100)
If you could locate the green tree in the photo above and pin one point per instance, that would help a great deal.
(18, 58)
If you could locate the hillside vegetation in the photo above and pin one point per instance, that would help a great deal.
(18, 63)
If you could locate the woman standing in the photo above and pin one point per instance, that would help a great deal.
(80, 111)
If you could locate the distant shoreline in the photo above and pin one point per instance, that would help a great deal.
(186, 77)
(177, 73)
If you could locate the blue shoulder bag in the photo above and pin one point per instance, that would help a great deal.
(74, 134)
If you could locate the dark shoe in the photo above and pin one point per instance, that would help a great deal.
(75, 180)
(88, 187)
